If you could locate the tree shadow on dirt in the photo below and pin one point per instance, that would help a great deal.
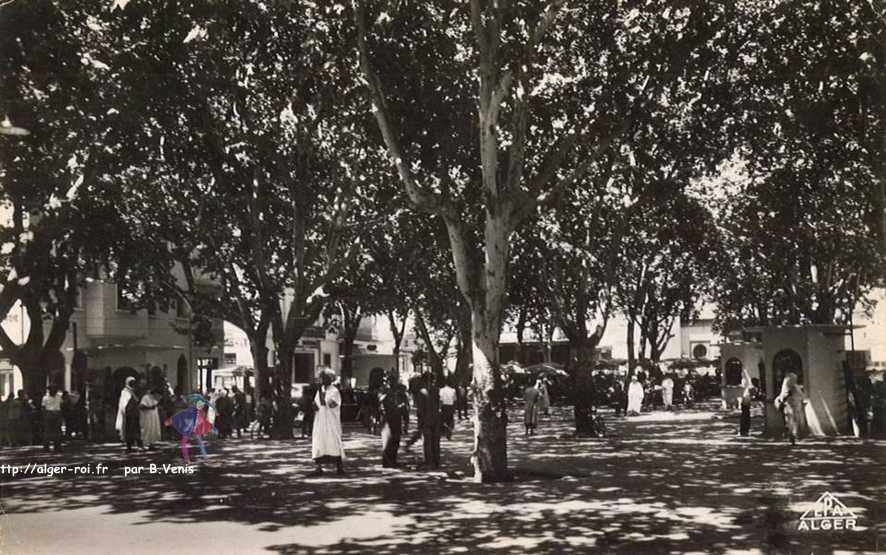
(656, 485)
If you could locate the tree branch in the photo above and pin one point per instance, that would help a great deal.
(423, 199)
(468, 280)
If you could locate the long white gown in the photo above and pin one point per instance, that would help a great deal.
(149, 420)
(326, 440)
(120, 422)
(635, 397)
(667, 391)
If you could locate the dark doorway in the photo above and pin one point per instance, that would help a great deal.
(55, 366)
(787, 360)
(734, 371)
(181, 379)
(302, 367)
(376, 378)
(79, 372)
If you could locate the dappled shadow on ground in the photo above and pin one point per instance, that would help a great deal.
(660, 483)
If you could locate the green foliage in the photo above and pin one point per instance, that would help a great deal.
(69, 213)
(803, 214)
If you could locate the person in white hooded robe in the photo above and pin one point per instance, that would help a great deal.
(127, 423)
(326, 440)
(635, 396)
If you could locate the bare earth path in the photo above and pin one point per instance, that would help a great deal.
(662, 483)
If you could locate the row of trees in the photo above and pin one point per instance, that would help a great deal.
(456, 166)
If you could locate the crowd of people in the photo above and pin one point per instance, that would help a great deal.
(148, 413)
(57, 415)
(651, 389)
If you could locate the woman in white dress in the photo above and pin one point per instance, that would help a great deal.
(667, 392)
(326, 441)
(544, 399)
(791, 402)
(149, 419)
(635, 396)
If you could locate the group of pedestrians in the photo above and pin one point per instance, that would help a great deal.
(141, 410)
(138, 416)
(57, 415)
(436, 409)
(647, 391)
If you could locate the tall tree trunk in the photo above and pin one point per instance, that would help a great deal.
(520, 328)
(632, 356)
(547, 339)
(644, 334)
(40, 358)
(34, 376)
(490, 457)
(259, 349)
(484, 288)
(347, 360)
(282, 387)
(582, 374)
(397, 330)
(481, 266)
(351, 318)
(632, 361)
(464, 356)
(435, 360)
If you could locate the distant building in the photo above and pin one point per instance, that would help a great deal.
(114, 335)
(870, 337)
(318, 346)
(694, 339)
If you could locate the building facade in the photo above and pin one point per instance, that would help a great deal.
(115, 336)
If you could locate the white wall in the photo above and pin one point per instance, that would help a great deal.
(872, 336)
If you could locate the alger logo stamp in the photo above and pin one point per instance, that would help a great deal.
(829, 513)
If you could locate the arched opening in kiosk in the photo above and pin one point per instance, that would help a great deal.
(787, 360)
(734, 371)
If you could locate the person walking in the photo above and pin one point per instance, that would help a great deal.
(427, 408)
(239, 401)
(747, 394)
(689, 391)
(20, 419)
(326, 440)
(431, 425)
(791, 402)
(192, 422)
(149, 418)
(616, 396)
(75, 424)
(127, 423)
(447, 409)
(263, 413)
(52, 418)
(395, 417)
(531, 399)
(67, 415)
(224, 419)
(667, 392)
(462, 401)
(544, 399)
(635, 396)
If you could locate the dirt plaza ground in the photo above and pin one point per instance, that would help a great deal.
(661, 483)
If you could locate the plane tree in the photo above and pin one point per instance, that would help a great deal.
(67, 217)
(803, 215)
(506, 105)
(252, 139)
